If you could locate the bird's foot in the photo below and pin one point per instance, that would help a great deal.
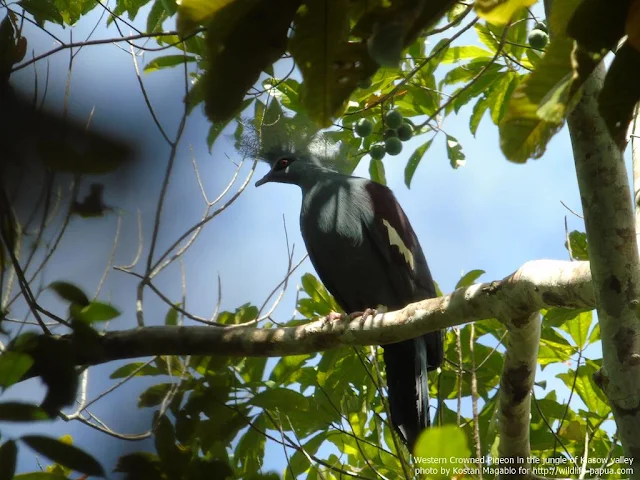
(332, 317)
(368, 312)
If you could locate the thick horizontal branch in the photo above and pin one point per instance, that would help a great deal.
(537, 284)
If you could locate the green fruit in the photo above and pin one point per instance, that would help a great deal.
(538, 39)
(364, 127)
(405, 132)
(393, 145)
(393, 119)
(377, 151)
(390, 132)
(541, 26)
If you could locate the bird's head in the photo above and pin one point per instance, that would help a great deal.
(291, 168)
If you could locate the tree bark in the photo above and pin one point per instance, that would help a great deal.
(613, 254)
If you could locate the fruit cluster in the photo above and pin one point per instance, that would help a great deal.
(397, 129)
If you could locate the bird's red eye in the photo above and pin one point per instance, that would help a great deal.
(283, 162)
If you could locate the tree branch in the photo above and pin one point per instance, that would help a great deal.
(537, 284)
(613, 252)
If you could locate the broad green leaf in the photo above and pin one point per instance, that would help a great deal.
(21, 412)
(64, 454)
(479, 109)
(299, 461)
(589, 393)
(376, 171)
(499, 96)
(469, 70)
(328, 73)
(69, 292)
(469, 278)
(557, 316)
(288, 369)
(13, 365)
(454, 152)
(414, 161)
(154, 395)
(455, 54)
(579, 246)
(142, 370)
(167, 61)
(157, 16)
(499, 12)
(95, 312)
(171, 318)
(579, 328)
(441, 443)
(280, 398)
(523, 133)
(141, 465)
(197, 12)
(42, 11)
(242, 40)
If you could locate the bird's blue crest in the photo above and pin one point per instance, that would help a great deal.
(289, 136)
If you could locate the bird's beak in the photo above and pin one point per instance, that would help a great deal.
(265, 179)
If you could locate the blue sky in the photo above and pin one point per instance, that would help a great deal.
(491, 214)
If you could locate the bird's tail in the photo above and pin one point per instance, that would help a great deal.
(407, 365)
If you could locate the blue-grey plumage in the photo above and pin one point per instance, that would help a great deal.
(367, 254)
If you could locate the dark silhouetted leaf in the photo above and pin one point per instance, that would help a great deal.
(21, 412)
(64, 454)
(69, 292)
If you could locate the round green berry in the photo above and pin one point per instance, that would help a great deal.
(405, 132)
(541, 26)
(393, 145)
(377, 151)
(538, 39)
(364, 127)
(390, 132)
(393, 119)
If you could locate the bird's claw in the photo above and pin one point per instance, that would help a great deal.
(368, 312)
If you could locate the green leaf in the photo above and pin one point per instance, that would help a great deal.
(144, 370)
(499, 12)
(441, 443)
(154, 395)
(171, 318)
(13, 365)
(329, 78)
(56, 474)
(579, 328)
(69, 292)
(141, 465)
(454, 152)
(414, 161)
(500, 94)
(241, 41)
(8, 460)
(64, 454)
(280, 398)
(95, 312)
(455, 54)
(579, 247)
(21, 412)
(157, 16)
(469, 278)
(589, 393)
(479, 109)
(167, 61)
(376, 171)
(42, 11)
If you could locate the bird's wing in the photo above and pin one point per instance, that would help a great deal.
(392, 233)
